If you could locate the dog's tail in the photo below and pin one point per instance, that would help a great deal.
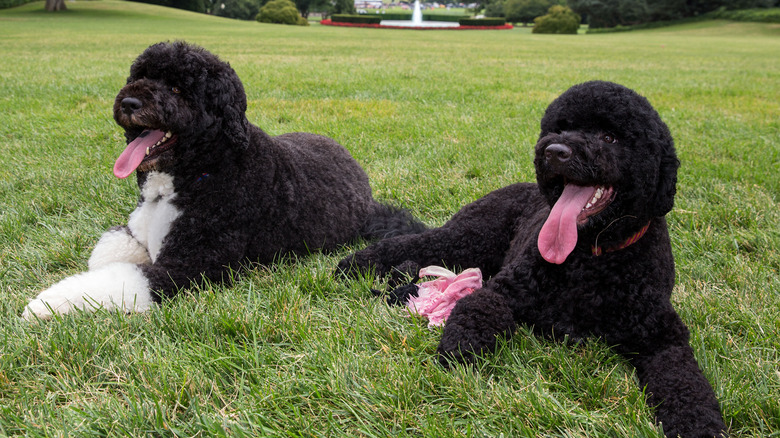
(388, 221)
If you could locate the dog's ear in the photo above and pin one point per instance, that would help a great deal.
(228, 96)
(236, 127)
(667, 182)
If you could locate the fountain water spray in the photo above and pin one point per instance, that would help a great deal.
(417, 14)
(417, 20)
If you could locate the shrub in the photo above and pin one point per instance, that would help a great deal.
(482, 21)
(559, 19)
(495, 9)
(362, 19)
(281, 12)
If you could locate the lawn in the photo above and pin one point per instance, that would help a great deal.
(437, 119)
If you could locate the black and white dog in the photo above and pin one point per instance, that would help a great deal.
(216, 191)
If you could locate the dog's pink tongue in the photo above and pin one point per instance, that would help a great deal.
(135, 152)
(558, 236)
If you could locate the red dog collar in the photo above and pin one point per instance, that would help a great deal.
(597, 250)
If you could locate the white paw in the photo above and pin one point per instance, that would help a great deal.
(120, 286)
(118, 245)
(45, 308)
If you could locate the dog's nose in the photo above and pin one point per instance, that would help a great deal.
(131, 105)
(557, 153)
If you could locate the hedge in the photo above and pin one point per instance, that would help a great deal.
(482, 21)
(426, 17)
(444, 17)
(390, 16)
(363, 18)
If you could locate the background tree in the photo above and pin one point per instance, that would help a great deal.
(238, 9)
(633, 12)
(495, 9)
(344, 7)
(610, 13)
(55, 5)
(559, 19)
(188, 5)
(304, 6)
(524, 11)
(600, 13)
(661, 10)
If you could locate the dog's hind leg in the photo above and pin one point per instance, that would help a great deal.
(121, 286)
(477, 236)
(401, 257)
(118, 245)
(387, 221)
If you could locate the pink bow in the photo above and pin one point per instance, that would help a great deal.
(436, 298)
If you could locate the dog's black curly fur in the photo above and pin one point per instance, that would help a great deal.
(243, 195)
(216, 191)
(595, 134)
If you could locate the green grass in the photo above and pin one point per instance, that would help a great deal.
(437, 118)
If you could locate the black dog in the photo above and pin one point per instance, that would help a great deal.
(585, 252)
(215, 190)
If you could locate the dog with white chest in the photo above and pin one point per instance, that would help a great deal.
(215, 190)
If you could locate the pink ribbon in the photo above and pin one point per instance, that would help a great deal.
(436, 298)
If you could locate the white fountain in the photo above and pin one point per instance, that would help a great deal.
(417, 14)
(417, 20)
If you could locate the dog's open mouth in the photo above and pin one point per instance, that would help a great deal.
(143, 151)
(558, 235)
(602, 197)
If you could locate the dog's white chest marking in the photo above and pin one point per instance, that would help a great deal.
(151, 221)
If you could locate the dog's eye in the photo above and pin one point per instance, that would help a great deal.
(175, 90)
(608, 138)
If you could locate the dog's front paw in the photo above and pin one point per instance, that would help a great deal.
(118, 285)
(473, 327)
(453, 348)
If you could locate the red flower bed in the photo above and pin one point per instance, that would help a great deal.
(327, 22)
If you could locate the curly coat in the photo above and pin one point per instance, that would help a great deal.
(614, 283)
(216, 191)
